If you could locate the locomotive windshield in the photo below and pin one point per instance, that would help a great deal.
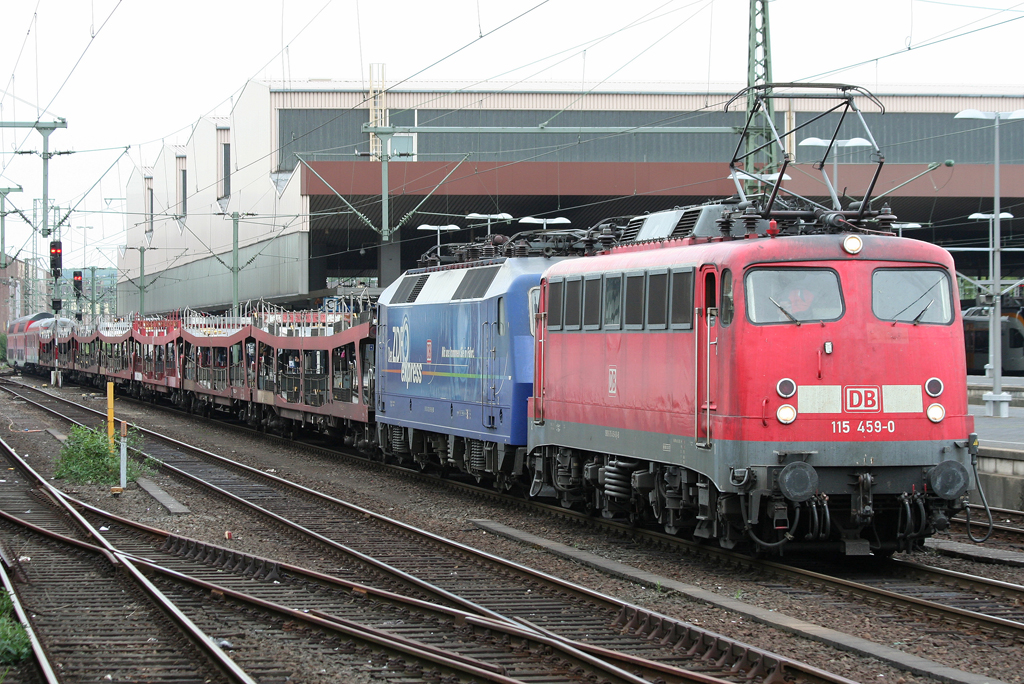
(793, 295)
(912, 295)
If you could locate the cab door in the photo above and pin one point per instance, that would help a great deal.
(489, 366)
(706, 358)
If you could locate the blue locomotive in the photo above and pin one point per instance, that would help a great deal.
(456, 347)
(455, 365)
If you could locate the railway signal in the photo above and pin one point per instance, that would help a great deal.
(56, 258)
(76, 279)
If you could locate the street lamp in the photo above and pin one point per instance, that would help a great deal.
(439, 230)
(818, 142)
(545, 222)
(495, 217)
(993, 287)
(997, 403)
(909, 226)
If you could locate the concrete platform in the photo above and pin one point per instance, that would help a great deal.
(976, 551)
(162, 497)
(979, 385)
(844, 642)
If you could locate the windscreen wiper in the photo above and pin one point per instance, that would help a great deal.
(918, 317)
(783, 310)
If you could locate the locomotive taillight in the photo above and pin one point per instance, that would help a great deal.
(786, 414)
(786, 388)
(935, 413)
(852, 244)
(933, 387)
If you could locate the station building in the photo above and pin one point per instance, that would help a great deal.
(294, 163)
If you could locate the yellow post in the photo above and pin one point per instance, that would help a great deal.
(110, 415)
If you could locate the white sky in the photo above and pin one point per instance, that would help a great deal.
(153, 68)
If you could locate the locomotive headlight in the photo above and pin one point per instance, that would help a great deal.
(852, 244)
(786, 414)
(935, 413)
(786, 388)
(933, 387)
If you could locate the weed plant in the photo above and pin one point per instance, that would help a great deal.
(86, 458)
(14, 643)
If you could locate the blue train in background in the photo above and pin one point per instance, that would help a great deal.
(455, 349)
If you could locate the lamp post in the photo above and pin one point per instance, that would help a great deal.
(495, 217)
(831, 145)
(993, 285)
(439, 229)
(997, 403)
(545, 222)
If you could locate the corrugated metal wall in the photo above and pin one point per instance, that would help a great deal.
(904, 138)
(327, 131)
(281, 269)
(922, 138)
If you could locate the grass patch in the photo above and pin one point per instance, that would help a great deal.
(14, 643)
(86, 458)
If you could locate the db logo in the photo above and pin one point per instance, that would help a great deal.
(863, 399)
(429, 350)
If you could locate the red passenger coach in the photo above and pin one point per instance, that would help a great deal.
(775, 390)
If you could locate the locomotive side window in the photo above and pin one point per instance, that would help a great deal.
(728, 305)
(635, 301)
(592, 303)
(793, 295)
(657, 300)
(912, 295)
(682, 299)
(555, 305)
(502, 320)
(612, 302)
(573, 303)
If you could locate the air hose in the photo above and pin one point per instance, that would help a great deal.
(972, 446)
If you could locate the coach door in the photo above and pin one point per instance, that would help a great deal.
(706, 356)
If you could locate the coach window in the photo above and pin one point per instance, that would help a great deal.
(634, 301)
(555, 305)
(912, 295)
(657, 300)
(573, 303)
(728, 306)
(681, 317)
(613, 302)
(1016, 339)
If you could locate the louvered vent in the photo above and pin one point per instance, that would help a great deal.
(687, 222)
(417, 287)
(475, 283)
(404, 288)
(632, 228)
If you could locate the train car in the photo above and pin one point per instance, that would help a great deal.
(455, 365)
(23, 340)
(976, 338)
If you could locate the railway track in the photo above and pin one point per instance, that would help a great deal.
(1007, 528)
(92, 613)
(219, 587)
(458, 576)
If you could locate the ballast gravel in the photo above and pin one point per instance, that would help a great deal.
(447, 514)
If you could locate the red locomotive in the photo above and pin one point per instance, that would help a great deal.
(774, 390)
